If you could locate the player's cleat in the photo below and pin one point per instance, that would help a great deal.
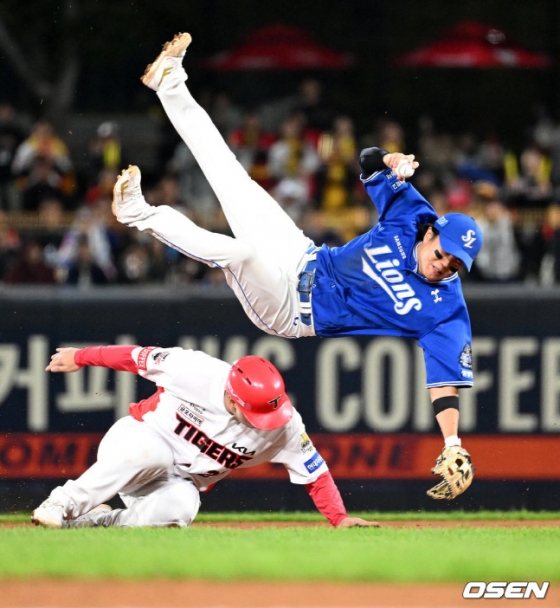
(88, 520)
(173, 52)
(49, 514)
(129, 204)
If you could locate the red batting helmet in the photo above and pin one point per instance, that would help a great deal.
(257, 388)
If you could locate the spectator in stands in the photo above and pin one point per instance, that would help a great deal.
(251, 145)
(45, 145)
(9, 244)
(83, 271)
(312, 105)
(459, 196)
(50, 230)
(103, 188)
(391, 136)
(308, 101)
(11, 136)
(291, 158)
(550, 267)
(313, 224)
(167, 193)
(225, 114)
(340, 169)
(293, 196)
(436, 150)
(105, 152)
(90, 222)
(29, 266)
(193, 186)
(42, 182)
(477, 162)
(531, 186)
(146, 261)
(499, 258)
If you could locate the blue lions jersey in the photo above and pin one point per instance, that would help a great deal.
(371, 286)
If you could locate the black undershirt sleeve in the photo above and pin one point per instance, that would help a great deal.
(371, 160)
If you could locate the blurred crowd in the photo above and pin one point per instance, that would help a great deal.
(56, 225)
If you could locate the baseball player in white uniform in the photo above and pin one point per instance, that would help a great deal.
(206, 419)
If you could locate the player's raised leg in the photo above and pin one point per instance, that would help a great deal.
(172, 227)
(264, 287)
(252, 213)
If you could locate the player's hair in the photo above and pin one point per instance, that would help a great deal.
(423, 229)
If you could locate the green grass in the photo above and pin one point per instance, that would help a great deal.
(379, 516)
(304, 554)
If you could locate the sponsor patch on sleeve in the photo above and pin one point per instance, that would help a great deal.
(306, 445)
(314, 462)
(143, 357)
(465, 358)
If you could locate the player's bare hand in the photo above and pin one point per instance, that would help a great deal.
(63, 361)
(351, 522)
(393, 160)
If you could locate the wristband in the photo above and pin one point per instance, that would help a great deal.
(444, 403)
(452, 440)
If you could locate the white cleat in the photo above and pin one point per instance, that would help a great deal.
(129, 204)
(49, 514)
(157, 71)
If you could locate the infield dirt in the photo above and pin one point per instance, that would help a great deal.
(172, 594)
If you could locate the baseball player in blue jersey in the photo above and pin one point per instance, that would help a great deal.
(399, 279)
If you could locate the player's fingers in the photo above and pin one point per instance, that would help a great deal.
(364, 523)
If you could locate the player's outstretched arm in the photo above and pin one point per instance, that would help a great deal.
(329, 502)
(63, 361)
(377, 159)
(118, 357)
(351, 522)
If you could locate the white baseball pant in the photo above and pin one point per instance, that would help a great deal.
(262, 263)
(135, 462)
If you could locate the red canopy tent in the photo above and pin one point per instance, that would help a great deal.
(472, 45)
(278, 47)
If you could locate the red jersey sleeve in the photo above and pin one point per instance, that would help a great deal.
(115, 357)
(327, 498)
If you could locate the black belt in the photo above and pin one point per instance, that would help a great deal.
(305, 285)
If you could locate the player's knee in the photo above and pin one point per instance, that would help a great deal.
(177, 506)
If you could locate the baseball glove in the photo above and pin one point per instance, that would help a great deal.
(455, 466)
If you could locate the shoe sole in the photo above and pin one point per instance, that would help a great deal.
(43, 521)
(122, 183)
(174, 48)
